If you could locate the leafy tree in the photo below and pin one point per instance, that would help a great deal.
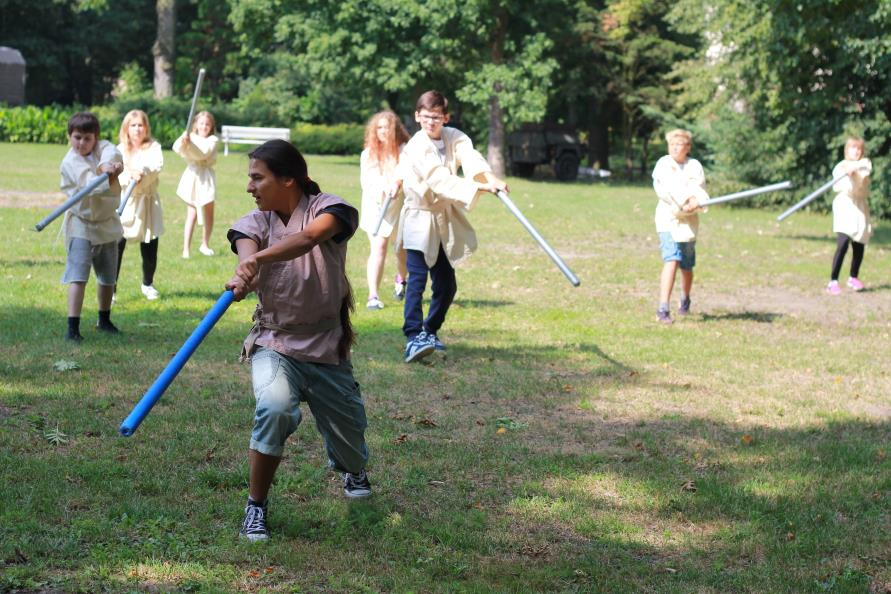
(75, 50)
(783, 83)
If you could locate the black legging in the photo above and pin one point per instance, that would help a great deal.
(841, 249)
(149, 253)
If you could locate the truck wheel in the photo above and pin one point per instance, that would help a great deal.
(567, 167)
(523, 169)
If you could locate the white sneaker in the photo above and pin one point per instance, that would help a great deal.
(205, 250)
(150, 292)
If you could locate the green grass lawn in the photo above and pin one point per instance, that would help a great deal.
(566, 443)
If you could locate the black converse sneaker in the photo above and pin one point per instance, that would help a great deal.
(356, 485)
(253, 527)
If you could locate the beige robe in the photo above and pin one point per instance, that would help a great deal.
(143, 219)
(850, 208)
(375, 181)
(95, 217)
(674, 183)
(436, 198)
(300, 299)
(198, 184)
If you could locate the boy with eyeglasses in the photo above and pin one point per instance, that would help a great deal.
(433, 227)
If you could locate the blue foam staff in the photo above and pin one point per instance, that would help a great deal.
(94, 183)
(154, 393)
(537, 237)
(811, 197)
(126, 196)
(746, 193)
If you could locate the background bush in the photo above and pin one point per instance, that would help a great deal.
(50, 124)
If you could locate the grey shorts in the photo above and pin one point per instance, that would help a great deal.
(282, 383)
(82, 255)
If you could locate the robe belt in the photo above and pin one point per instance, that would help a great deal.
(261, 323)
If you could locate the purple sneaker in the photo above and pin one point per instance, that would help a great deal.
(855, 285)
(833, 289)
(684, 309)
(663, 317)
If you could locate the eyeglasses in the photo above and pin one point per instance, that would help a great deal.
(431, 118)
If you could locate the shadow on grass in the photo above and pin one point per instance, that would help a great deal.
(743, 316)
(881, 236)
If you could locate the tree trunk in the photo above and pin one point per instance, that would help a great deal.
(628, 139)
(598, 137)
(495, 150)
(645, 156)
(163, 49)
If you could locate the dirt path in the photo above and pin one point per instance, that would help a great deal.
(13, 199)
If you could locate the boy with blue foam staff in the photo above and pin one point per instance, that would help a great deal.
(92, 226)
(292, 252)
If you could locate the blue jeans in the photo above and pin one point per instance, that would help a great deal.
(443, 285)
(281, 383)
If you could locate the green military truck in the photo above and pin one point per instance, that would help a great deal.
(543, 144)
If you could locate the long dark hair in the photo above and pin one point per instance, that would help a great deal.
(284, 160)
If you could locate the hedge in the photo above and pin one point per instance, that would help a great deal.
(50, 124)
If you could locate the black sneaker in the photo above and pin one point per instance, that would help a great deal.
(73, 336)
(253, 527)
(107, 327)
(356, 486)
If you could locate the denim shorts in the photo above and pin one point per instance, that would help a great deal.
(82, 254)
(282, 383)
(677, 251)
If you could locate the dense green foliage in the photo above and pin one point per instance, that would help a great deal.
(769, 89)
(49, 125)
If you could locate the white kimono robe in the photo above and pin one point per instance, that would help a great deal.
(142, 217)
(850, 209)
(436, 198)
(198, 184)
(674, 183)
(95, 217)
(375, 181)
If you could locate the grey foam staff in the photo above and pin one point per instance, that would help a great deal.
(812, 196)
(77, 197)
(126, 196)
(537, 236)
(785, 185)
(194, 101)
(384, 208)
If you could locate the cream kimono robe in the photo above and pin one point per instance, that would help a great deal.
(850, 209)
(675, 182)
(142, 217)
(198, 184)
(375, 181)
(436, 198)
(95, 217)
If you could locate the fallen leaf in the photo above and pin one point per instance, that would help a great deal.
(208, 456)
(638, 445)
(838, 379)
(534, 551)
(427, 423)
(254, 573)
(435, 483)
(567, 388)
(747, 439)
(446, 396)
(401, 439)
(670, 570)
(790, 536)
(65, 365)
(689, 486)
(881, 455)
(481, 423)
(501, 430)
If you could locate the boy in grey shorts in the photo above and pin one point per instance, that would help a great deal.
(292, 253)
(92, 226)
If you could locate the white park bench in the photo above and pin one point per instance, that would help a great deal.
(251, 135)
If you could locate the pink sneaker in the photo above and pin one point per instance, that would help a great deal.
(855, 285)
(833, 289)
